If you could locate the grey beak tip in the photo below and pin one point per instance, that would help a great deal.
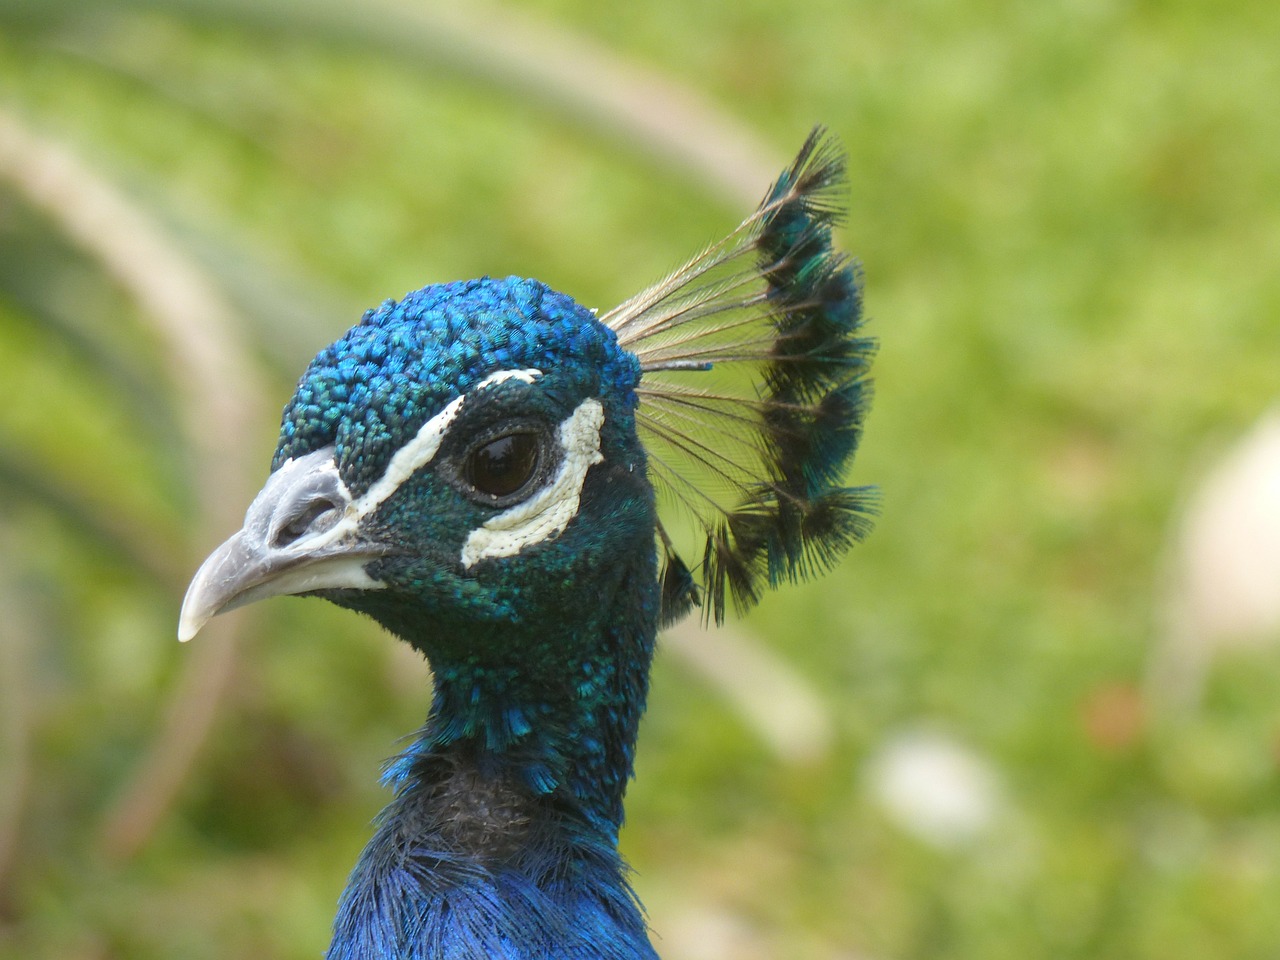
(248, 566)
(191, 619)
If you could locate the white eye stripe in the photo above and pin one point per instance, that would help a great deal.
(502, 376)
(421, 450)
(404, 463)
(544, 515)
(410, 458)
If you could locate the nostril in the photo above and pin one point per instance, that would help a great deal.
(314, 516)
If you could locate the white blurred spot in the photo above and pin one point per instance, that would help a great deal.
(711, 931)
(1223, 589)
(708, 933)
(935, 788)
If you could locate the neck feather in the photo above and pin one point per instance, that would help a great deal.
(503, 833)
(558, 710)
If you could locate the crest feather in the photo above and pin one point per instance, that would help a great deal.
(753, 393)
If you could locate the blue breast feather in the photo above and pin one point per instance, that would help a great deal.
(529, 887)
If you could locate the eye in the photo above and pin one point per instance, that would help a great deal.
(502, 466)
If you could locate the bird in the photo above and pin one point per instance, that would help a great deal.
(526, 491)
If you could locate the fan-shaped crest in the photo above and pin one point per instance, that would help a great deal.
(754, 392)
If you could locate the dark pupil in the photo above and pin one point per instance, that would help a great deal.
(504, 465)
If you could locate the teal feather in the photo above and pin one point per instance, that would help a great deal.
(771, 316)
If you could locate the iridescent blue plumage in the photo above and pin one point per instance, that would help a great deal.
(407, 358)
(475, 466)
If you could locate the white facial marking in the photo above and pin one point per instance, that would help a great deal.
(414, 455)
(502, 376)
(284, 564)
(406, 461)
(545, 514)
(421, 450)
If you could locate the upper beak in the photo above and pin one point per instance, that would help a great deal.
(300, 534)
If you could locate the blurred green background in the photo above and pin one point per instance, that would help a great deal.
(1069, 218)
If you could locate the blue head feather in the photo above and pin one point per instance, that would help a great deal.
(373, 387)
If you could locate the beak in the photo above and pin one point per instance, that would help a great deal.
(300, 534)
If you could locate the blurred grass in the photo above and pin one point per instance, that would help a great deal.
(1069, 217)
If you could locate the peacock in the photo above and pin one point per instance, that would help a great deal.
(480, 467)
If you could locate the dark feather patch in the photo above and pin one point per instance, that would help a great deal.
(679, 591)
(754, 393)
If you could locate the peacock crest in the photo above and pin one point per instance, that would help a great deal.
(753, 393)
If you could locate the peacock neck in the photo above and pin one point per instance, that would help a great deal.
(503, 832)
(557, 713)
(547, 702)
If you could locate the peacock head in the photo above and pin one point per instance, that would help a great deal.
(472, 454)
(467, 455)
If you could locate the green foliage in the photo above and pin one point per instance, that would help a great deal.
(1069, 217)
